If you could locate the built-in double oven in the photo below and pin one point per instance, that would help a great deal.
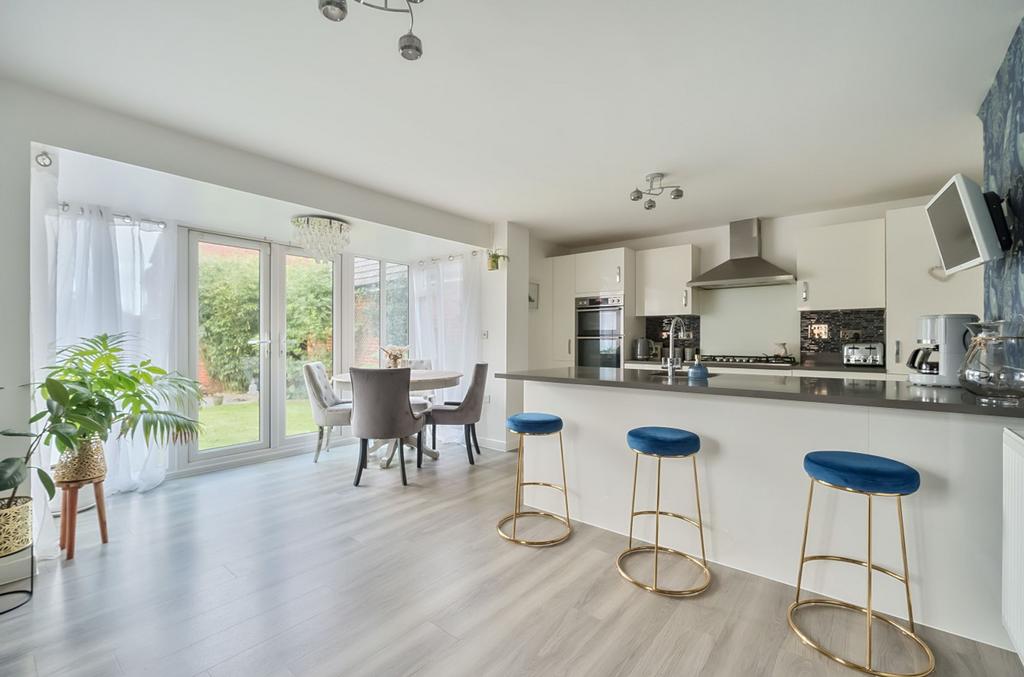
(599, 331)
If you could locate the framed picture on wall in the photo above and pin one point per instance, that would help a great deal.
(534, 295)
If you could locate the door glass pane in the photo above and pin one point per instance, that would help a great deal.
(367, 313)
(309, 333)
(228, 286)
(396, 304)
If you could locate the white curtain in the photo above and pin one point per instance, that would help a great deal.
(111, 278)
(445, 321)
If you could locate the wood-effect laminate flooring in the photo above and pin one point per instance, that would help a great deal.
(284, 569)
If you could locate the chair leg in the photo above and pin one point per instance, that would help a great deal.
(803, 547)
(469, 445)
(869, 616)
(319, 444)
(327, 438)
(906, 567)
(476, 442)
(657, 523)
(433, 436)
(363, 446)
(519, 485)
(419, 449)
(401, 460)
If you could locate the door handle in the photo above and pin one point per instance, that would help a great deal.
(803, 292)
(686, 298)
(899, 350)
(568, 346)
(618, 273)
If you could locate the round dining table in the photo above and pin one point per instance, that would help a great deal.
(419, 380)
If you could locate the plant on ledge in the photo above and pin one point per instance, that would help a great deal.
(94, 389)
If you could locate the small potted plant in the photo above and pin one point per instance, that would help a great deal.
(494, 257)
(394, 355)
(16, 511)
(93, 390)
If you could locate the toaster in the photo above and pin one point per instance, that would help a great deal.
(865, 354)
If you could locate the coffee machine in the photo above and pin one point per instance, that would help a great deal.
(941, 346)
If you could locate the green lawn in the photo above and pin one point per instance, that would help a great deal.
(229, 424)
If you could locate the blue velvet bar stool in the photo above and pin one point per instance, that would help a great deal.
(525, 424)
(661, 443)
(872, 477)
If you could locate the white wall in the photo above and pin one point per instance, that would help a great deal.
(540, 319)
(751, 320)
(29, 114)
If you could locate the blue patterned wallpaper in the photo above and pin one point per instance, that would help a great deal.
(1002, 117)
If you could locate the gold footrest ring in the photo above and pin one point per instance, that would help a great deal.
(875, 616)
(534, 513)
(668, 592)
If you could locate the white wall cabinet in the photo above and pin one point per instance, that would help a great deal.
(661, 277)
(563, 308)
(841, 267)
(603, 271)
(911, 291)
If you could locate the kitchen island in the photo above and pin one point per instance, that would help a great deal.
(755, 430)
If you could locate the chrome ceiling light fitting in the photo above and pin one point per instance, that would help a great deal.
(43, 159)
(655, 187)
(409, 45)
(323, 236)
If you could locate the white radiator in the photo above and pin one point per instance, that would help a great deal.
(1013, 537)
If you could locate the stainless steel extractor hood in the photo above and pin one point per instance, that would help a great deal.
(745, 267)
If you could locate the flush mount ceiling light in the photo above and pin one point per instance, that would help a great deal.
(323, 236)
(655, 187)
(409, 46)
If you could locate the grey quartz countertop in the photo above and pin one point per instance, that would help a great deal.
(848, 391)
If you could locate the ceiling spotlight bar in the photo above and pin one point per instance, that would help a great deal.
(655, 187)
(409, 46)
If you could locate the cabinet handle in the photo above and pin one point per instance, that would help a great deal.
(899, 350)
(803, 292)
(568, 347)
(686, 298)
(618, 273)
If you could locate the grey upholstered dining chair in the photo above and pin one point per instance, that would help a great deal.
(426, 395)
(466, 413)
(329, 410)
(381, 411)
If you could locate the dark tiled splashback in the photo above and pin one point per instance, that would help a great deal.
(657, 330)
(861, 324)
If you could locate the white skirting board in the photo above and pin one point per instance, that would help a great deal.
(754, 492)
(1013, 538)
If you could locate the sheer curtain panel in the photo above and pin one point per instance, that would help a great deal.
(445, 320)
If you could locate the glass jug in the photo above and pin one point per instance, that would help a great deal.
(993, 367)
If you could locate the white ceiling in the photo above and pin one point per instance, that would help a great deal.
(548, 113)
(148, 194)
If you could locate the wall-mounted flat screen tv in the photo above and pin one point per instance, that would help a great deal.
(969, 226)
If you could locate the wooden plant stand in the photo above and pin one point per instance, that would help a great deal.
(69, 512)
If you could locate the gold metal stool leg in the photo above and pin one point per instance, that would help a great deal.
(518, 512)
(870, 616)
(658, 549)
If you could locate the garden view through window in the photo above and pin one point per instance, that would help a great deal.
(381, 309)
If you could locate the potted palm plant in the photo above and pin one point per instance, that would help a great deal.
(90, 392)
(94, 390)
(16, 511)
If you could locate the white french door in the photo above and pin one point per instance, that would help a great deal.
(257, 312)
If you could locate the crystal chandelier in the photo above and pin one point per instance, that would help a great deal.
(323, 236)
(655, 187)
(409, 46)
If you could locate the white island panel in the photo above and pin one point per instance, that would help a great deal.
(754, 491)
